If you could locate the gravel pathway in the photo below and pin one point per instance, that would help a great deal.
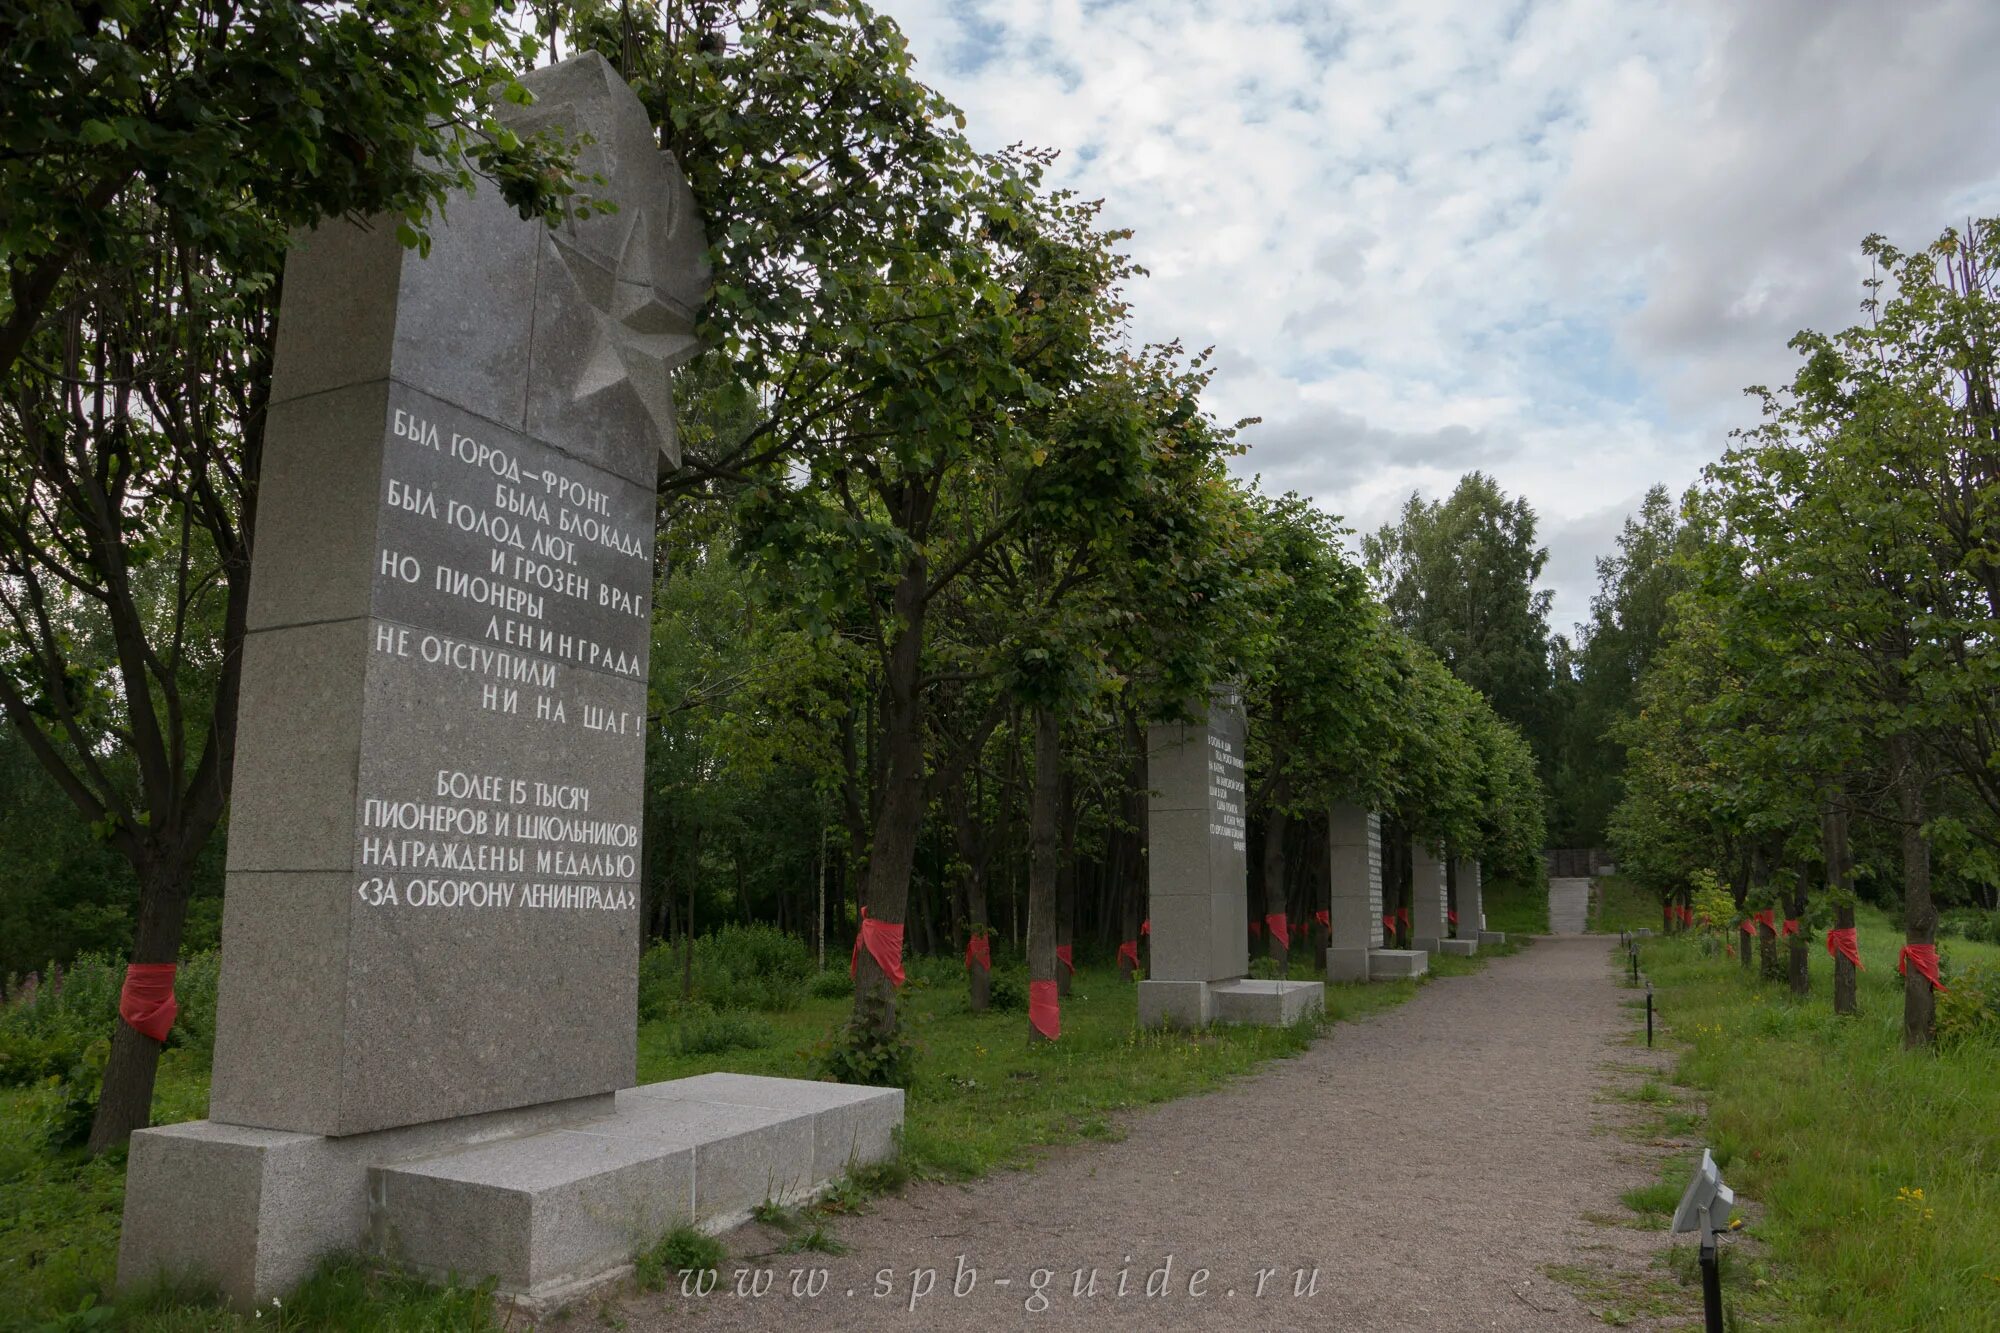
(1429, 1162)
(1569, 906)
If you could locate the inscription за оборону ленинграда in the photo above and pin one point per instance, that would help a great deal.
(511, 570)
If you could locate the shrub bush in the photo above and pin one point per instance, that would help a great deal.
(51, 1021)
(1009, 990)
(832, 984)
(706, 1032)
(735, 967)
(1969, 1010)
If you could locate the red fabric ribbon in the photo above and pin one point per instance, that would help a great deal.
(146, 1002)
(1044, 1010)
(1128, 952)
(1764, 920)
(1844, 944)
(1791, 925)
(1403, 915)
(1749, 927)
(1451, 917)
(1146, 926)
(1281, 930)
(1389, 922)
(1924, 958)
(979, 952)
(1256, 930)
(1066, 956)
(1325, 918)
(884, 942)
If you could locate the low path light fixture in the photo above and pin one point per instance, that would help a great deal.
(1705, 1209)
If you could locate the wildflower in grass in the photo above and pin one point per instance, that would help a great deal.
(1913, 1205)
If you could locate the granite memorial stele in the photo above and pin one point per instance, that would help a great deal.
(1196, 881)
(426, 1033)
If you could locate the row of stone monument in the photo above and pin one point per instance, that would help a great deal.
(426, 1032)
(1198, 889)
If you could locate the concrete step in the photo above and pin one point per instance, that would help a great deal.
(549, 1215)
(1492, 937)
(1463, 948)
(1389, 964)
(1267, 1003)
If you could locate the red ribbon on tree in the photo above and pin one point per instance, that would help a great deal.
(1066, 956)
(1764, 920)
(1044, 1010)
(979, 952)
(1844, 943)
(1687, 915)
(1749, 927)
(1281, 931)
(1128, 952)
(1791, 925)
(884, 942)
(1256, 930)
(1146, 926)
(146, 1001)
(1324, 917)
(1451, 917)
(1924, 958)
(1403, 915)
(1389, 922)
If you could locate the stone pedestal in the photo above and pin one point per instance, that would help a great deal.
(1397, 964)
(1428, 924)
(1470, 904)
(1197, 894)
(1460, 948)
(426, 1027)
(546, 1201)
(1492, 937)
(1354, 849)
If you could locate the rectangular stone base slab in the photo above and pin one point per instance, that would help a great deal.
(1393, 964)
(546, 1201)
(1425, 944)
(1347, 964)
(1175, 1004)
(1462, 948)
(1267, 1003)
(1492, 937)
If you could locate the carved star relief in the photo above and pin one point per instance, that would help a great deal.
(639, 337)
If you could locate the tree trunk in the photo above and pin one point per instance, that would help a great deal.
(1276, 824)
(1797, 959)
(893, 849)
(1045, 840)
(1840, 878)
(125, 1102)
(1066, 882)
(1319, 855)
(1753, 875)
(1138, 811)
(974, 851)
(1919, 913)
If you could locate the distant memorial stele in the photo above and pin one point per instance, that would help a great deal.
(1197, 890)
(426, 1033)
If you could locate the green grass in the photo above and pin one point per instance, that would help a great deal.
(1517, 909)
(983, 1100)
(1828, 1127)
(1618, 904)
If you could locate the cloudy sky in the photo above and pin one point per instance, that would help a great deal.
(1552, 240)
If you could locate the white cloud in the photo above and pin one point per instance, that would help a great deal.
(1550, 240)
